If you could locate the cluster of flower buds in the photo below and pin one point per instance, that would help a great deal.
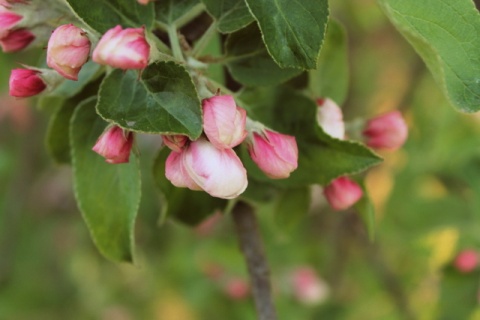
(211, 165)
(388, 131)
(23, 23)
(69, 49)
(466, 261)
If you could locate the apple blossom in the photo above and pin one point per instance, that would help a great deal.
(342, 193)
(68, 50)
(26, 83)
(387, 131)
(114, 145)
(223, 121)
(330, 118)
(123, 48)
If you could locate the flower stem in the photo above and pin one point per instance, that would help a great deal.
(175, 43)
(252, 248)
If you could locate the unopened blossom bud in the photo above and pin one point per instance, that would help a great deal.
(223, 121)
(388, 131)
(8, 20)
(123, 49)
(175, 142)
(176, 172)
(274, 153)
(114, 145)
(330, 118)
(308, 288)
(466, 261)
(202, 166)
(26, 83)
(68, 50)
(342, 193)
(16, 40)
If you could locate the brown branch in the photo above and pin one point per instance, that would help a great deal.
(252, 248)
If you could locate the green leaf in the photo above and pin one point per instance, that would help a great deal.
(293, 31)
(108, 195)
(185, 205)
(321, 157)
(445, 35)
(102, 15)
(69, 88)
(171, 11)
(163, 101)
(292, 207)
(57, 139)
(459, 294)
(330, 79)
(367, 212)
(231, 15)
(249, 62)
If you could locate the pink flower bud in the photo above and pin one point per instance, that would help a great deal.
(8, 20)
(466, 261)
(176, 172)
(123, 49)
(26, 83)
(342, 193)
(16, 40)
(274, 153)
(202, 166)
(114, 145)
(223, 121)
(68, 50)
(330, 118)
(175, 142)
(307, 286)
(388, 131)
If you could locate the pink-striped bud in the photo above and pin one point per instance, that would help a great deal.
(8, 20)
(201, 165)
(26, 83)
(466, 261)
(176, 142)
(123, 49)
(274, 153)
(114, 145)
(308, 288)
(388, 131)
(68, 50)
(223, 121)
(16, 40)
(342, 193)
(330, 118)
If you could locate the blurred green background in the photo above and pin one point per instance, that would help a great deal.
(426, 198)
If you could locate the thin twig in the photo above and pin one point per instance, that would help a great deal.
(252, 248)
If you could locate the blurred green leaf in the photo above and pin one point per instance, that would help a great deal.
(458, 294)
(108, 195)
(321, 157)
(163, 101)
(249, 62)
(293, 31)
(291, 208)
(231, 15)
(102, 15)
(185, 205)
(330, 79)
(445, 35)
